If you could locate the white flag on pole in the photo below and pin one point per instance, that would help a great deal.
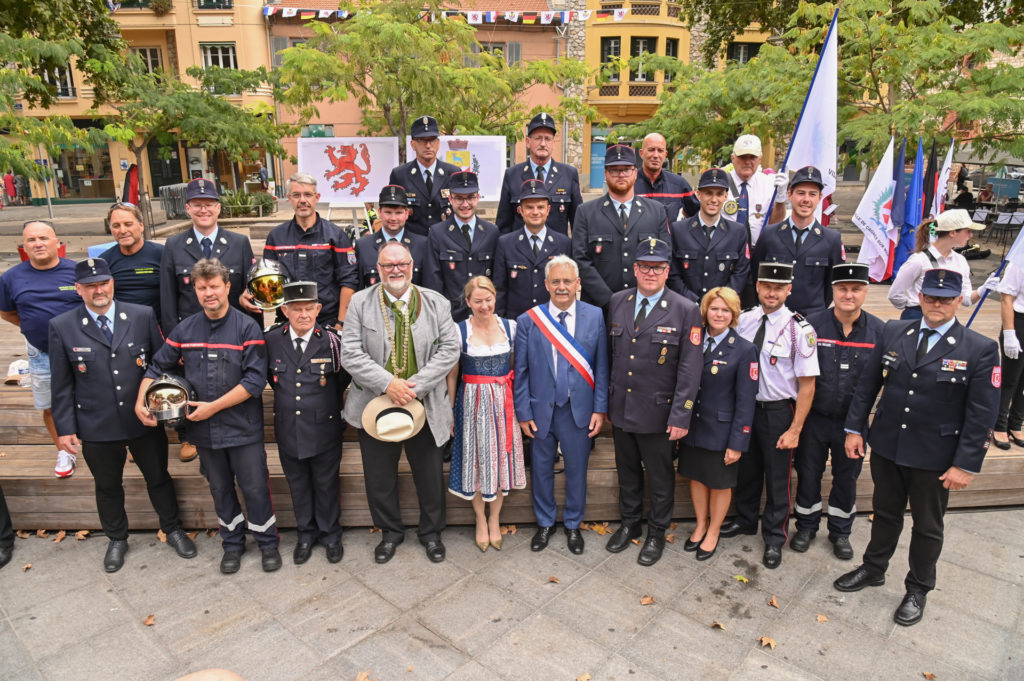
(938, 205)
(872, 217)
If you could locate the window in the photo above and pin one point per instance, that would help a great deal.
(61, 79)
(280, 43)
(512, 51)
(743, 52)
(637, 46)
(671, 50)
(150, 58)
(214, 4)
(610, 49)
(219, 54)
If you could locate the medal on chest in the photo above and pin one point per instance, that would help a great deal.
(81, 367)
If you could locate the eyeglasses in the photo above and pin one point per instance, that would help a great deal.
(939, 300)
(464, 198)
(651, 269)
(394, 266)
(620, 170)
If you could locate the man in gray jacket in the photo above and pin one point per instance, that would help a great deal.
(400, 341)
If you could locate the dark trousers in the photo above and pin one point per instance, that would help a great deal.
(1011, 399)
(248, 465)
(6, 528)
(822, 437)
(380, 470)
(635, 453)
(575, 446)
(106, 463)
(765, 466)
(313, 482)
(894, 486)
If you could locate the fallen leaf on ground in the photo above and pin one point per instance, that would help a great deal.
(647, 600)
(82, 535)
(584, 677)
(586, 526)
(511, 529)
(672, 526)
(822, 619)
(212, 532)
(409, 668)
(193, 535)
(670, 538)
(636, 541)
(24, 534)
(363, 676)
(718, 625)
(375, 529)
(601, 528)
(41, 533)
(161, 536)
(554, 580)
(149, 621)
(774, 602)
(766, 642)
(928, 675)
(740, 578)
(59, 537)
(871, 518)
(26, 566)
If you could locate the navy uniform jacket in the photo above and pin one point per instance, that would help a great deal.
(519, 274)
(604, 252)
(671, 190)
(452, 263)
(94, 383)
(307, 392)
(426, 209)
(182, 251)
(812, 269)
(323, 254)
(366, 255)
(219, 354)
(699, 266)
(935, 414)
(841, 359)
(563, 186)
(646, 394)
(724, 411)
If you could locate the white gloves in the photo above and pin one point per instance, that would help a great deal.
(781, 180)
(991, 283)
(1011, 346)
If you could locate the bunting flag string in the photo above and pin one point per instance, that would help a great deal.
(470, 17)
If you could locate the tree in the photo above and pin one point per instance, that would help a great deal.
(400, 60)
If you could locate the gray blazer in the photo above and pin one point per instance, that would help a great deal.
(365, 350)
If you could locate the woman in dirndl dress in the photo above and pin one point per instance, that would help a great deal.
(487, 447)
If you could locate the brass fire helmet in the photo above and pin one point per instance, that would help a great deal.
(266, 284)
(167, 398)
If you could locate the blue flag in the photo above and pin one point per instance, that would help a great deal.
(914, 208)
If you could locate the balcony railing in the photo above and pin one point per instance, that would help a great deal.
(214, 4)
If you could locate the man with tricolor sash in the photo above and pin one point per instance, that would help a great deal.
(561, 396)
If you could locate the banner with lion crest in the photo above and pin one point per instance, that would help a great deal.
(349, 170)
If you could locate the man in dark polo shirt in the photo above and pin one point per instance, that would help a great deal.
(134, 262)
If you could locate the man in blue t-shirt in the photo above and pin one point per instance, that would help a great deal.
(134, 262)
(31, 294)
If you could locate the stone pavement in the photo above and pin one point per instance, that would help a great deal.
(510, 615)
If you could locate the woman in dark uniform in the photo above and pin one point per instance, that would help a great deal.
(720, 430)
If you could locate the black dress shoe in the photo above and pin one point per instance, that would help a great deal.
(574, 540)
(704, 555)
(184, 546)
(385, 550)
(734, 529)
(856, 580)
(772, 557)
(801, 541)
(619, 541)
(335, 552)
(541, 538)
(1001, 445)
(114, 558)
(650, 552)
(690, 545)
(842, 549)
(911, 610)
(5, 555)
(1015, 440)
(270, 557)
(303, 550)
(435, 550)
(231, 561)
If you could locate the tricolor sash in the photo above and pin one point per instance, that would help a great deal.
(564, 343)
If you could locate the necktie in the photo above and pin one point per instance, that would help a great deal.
(298, 348)
(922, 346)
(540, 173)
(465, 233)
(400, 306)
(562, 370)
(742, 212)
(430, 183)
(711, 346)
(105, 328)
(207, 246)
(624, 216)
(642, 314)
(759, 336)
(800, 234)
(536, 245)
(709, 230)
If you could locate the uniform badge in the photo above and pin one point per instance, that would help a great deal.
(597, 249)
(373, 280)
(664, 351)
(445, 193)
(721, 267)
(746, 429)
(187, 280)
(997, 377)
(451, 265)
(351, 257)
(513, 274)
(695, 335)
(81, 367)
(140, 362)
(661, 360)
(561, 208)
(686, 265)
(714, 370)
(730, 207)
(753, 371)
(688, 404)
(323, 380)
(773, 360)
(811, 340)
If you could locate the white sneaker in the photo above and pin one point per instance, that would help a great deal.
(65, 464)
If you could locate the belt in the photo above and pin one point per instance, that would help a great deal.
(774, 404)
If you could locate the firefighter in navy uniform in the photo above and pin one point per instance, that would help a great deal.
(304, 368)
(561, 180)
(609, 230)
(709, 250)
(801, 240)
(664, 186)
(225, 359)
(930, 433)
(394, 212)
(425, 178)
(461, 247)
(846, 335)
(520, 256)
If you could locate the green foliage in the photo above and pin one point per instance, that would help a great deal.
(265, 202)
(242, 203)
